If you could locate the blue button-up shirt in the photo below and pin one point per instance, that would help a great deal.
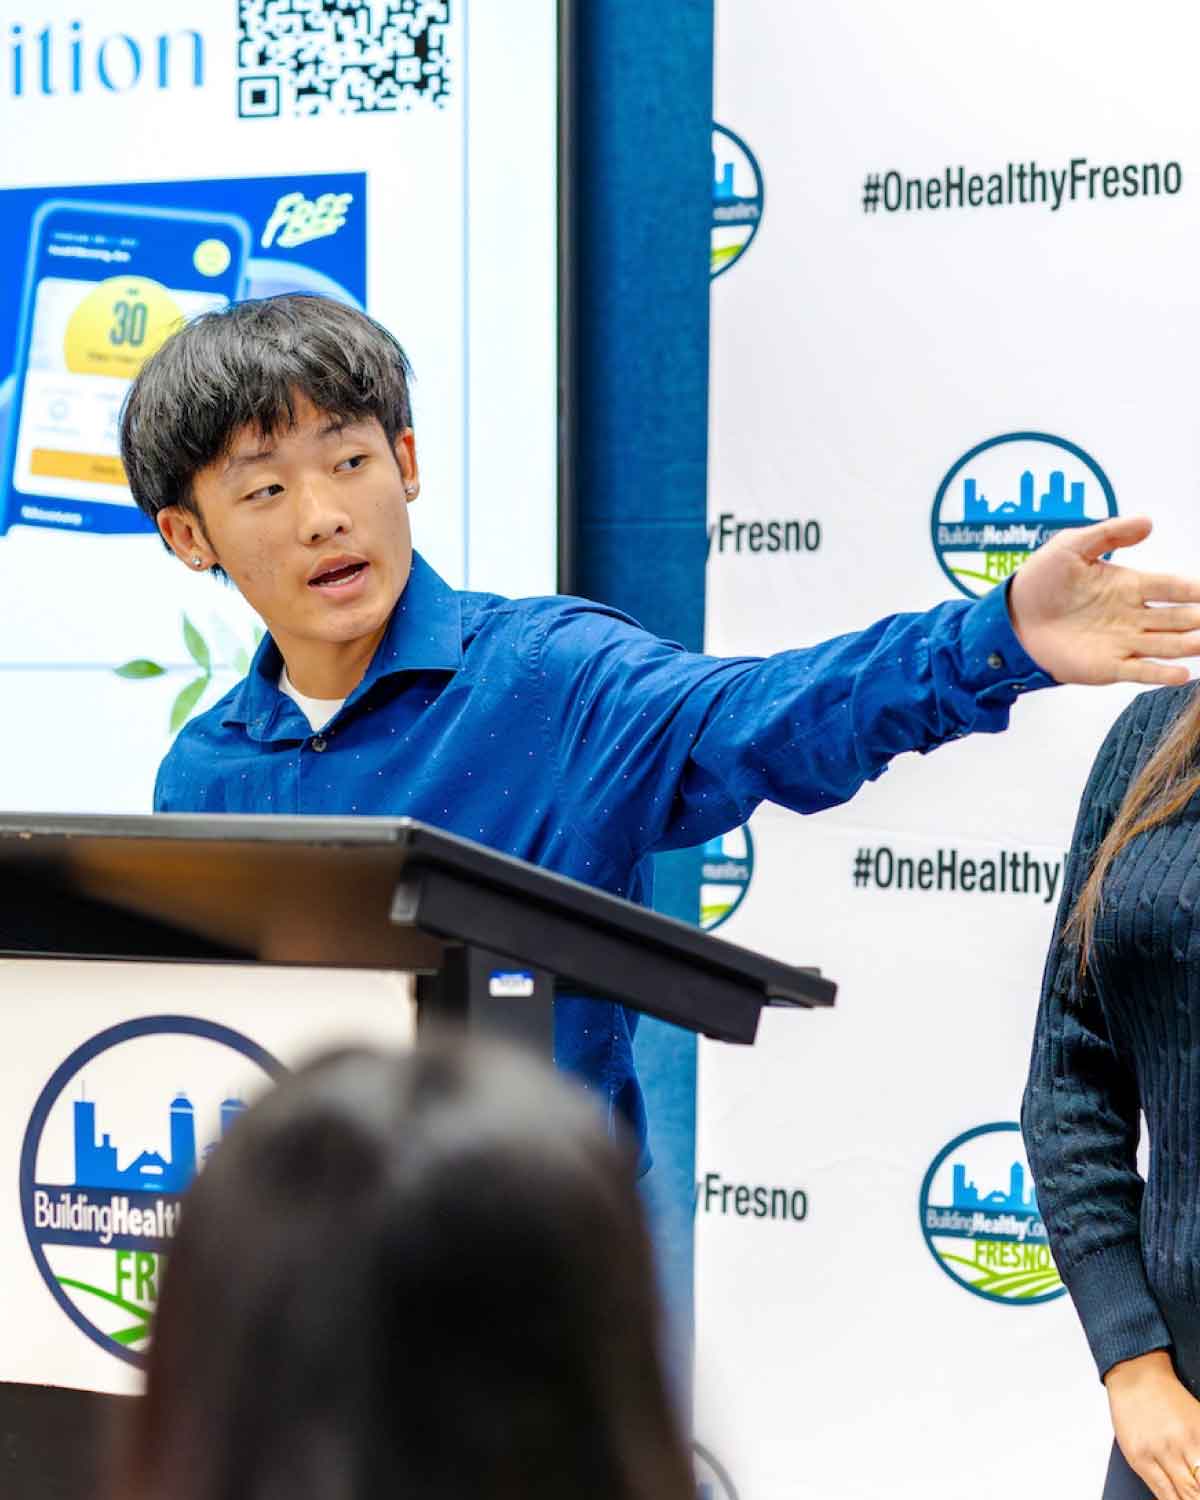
(559, 731)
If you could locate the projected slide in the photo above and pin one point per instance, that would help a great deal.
(165, 172)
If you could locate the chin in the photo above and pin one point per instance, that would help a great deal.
(352, 628)
(341, 624)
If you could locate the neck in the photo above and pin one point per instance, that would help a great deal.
(328, 669)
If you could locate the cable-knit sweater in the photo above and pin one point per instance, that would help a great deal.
(1124, 1039)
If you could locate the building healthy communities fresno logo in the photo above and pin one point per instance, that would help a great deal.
(737, 204)
(727, 863)
(1006, 498)
(980, 1219)
(114, 1139)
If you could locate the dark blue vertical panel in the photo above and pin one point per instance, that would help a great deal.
(641, 124)
(643, 121)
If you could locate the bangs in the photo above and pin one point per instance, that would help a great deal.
(245, 366)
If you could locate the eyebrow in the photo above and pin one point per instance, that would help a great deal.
(331, 428)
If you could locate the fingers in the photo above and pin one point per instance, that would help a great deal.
(1171, 588)
(1174, 617)
(1150, 642)
(1092, 542)
(1150, 673)
(1165, 1478)
(1180, 1477)
(1159, 1483)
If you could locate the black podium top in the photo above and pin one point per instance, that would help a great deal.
(362, 893)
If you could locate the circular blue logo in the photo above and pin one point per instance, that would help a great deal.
(1007, 497)
(116, 1135)
(726, 866)
(737, 205)
(980, 1218)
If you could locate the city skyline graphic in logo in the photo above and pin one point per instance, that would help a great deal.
(726, 867)
(113, 1142)
(980, 1218)
(737, 199)
(1007, 497)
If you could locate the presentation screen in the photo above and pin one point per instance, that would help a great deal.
(162, 162)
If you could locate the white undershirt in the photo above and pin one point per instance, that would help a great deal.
(318, 711)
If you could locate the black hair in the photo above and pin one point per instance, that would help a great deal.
(422, 1276)
(243, 367)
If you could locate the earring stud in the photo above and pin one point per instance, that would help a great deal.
(197, 562)
(410, 490)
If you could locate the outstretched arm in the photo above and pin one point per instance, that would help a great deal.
(657, 748)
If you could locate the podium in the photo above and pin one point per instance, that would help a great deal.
(487, 939)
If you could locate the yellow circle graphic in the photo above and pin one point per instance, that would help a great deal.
(119, 325)
(211, 257)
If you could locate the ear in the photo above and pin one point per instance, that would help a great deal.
(183, 533)
(406, 457)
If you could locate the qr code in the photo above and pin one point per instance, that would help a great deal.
(308, 57)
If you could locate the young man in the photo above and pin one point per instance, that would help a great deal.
(273, 441)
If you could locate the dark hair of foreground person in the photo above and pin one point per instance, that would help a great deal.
(423, 1275)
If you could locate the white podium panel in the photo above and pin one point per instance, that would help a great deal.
(117, 1080)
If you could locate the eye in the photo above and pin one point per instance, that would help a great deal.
(267, 492)
(355, 461)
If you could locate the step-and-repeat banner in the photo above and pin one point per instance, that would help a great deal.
(955, 299)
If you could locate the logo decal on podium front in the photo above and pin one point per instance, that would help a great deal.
(115, 1137)
(980, 1218)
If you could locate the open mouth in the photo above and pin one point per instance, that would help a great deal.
(337, 577)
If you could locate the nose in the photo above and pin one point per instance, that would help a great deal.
(319, 513)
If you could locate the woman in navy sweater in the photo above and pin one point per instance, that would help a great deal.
(1118, 1037)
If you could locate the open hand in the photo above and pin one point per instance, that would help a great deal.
(1157, 1423)
(1085, 620)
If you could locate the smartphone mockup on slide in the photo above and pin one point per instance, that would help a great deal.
(104, 286)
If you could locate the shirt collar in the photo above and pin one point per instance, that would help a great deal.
(424, 634)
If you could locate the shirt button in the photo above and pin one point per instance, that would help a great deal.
(320, 743)
(995, 661)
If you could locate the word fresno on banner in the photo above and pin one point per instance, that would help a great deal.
(1019, 182)
(1007, 872)
(742, 1200)
(779, 534)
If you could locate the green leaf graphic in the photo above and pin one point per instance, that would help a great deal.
(182, 707)
(139, 668)
(197, 645)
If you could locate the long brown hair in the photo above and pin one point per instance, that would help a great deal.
(1163, 787)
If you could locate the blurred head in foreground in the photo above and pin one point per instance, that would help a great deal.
(424, 1275)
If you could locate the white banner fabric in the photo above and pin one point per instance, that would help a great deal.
(954, 305)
